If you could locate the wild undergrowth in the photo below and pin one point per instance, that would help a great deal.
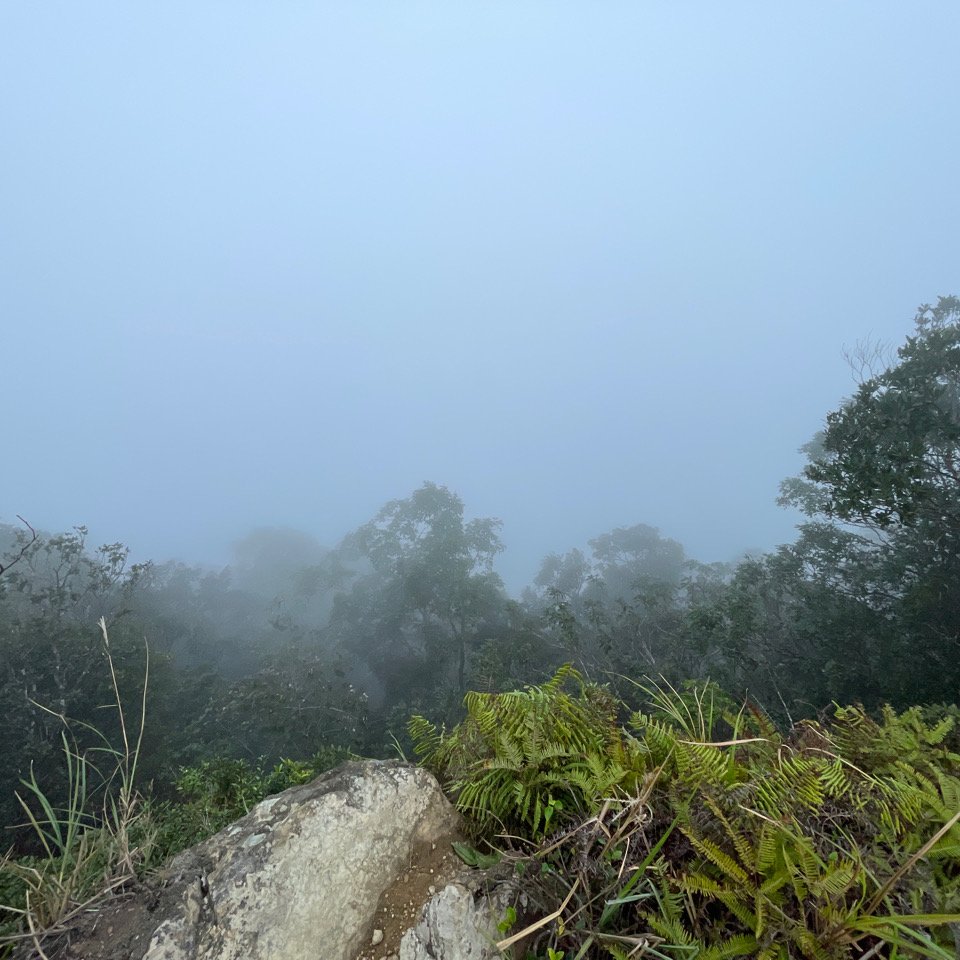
(214, 793)
(524, 761)
(696, 829)
(105, 834)
(93, 841)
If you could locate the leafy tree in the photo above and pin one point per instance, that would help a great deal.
(51, 653)
(623, 609)
(890, 457)
(266, 558)
(423, 593)
(883, 485)
(630, 558)
(220, 680)
(622, 563)
(793, 631)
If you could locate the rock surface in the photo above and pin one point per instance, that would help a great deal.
(299, 877)
(458, 923)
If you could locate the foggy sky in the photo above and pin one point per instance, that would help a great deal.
(588, 265)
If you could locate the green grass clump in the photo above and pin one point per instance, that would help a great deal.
(93, 843)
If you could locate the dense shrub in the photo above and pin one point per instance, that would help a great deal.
(698, 829)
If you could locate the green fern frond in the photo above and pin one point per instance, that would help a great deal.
(674, 932)
(746, 851)
(700, 883)
(729, 867)
(742, 945)
(520, 757)
(774, 951)
(734, 902)
(835, 880)
(768, 848)
(810, 946)
(425, 736)
(697, 764)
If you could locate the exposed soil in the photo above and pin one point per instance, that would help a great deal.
(120, 928)
(431, 869)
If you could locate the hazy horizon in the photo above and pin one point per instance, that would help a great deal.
(275, 266)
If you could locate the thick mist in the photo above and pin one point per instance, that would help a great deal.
(274, 267)
(563, 398)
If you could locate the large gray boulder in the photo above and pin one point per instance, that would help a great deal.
(300, 877)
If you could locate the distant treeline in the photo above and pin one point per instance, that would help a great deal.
(295, 647)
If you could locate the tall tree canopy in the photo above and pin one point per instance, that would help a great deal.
(890, 457)
(424, 590)
(882, 487)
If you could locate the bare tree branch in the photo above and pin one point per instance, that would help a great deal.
(4, 567)
(868, 358)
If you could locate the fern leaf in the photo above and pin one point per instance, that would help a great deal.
(718, 857)
(739, 946)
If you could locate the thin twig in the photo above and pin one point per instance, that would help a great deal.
(542, 922)
(906, 867)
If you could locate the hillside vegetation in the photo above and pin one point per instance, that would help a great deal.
(697, 829)
(727, 807)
